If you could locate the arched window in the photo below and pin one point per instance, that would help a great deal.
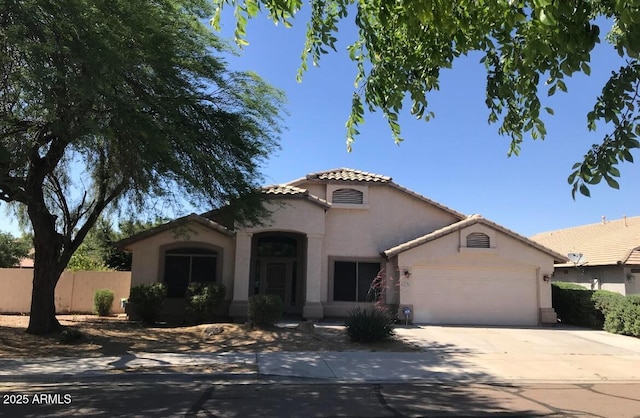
(478, 240)
(348, 196)
(183, 266)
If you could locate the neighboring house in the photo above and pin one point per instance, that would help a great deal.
(605, 255)
(329, 235)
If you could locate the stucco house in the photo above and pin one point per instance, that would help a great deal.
(604, 255)
(331, 233)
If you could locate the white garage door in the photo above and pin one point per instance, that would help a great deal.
(472, 297)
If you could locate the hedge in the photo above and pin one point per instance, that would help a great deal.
(597, 309)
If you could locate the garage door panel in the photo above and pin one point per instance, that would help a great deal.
(473, 297)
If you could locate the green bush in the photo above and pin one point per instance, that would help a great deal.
(265, 310)
(599, 309)
(623, 317)
(604, 300)
(369, 324)
(635, 299)
(203, 300)
(102, 300)
(146, 300)
(574, 305)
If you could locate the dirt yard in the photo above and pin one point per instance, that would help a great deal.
(115, 336)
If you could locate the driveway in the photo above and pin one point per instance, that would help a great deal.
(558, 354)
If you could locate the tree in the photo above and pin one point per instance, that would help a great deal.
(120, 104)
(402, 45)
(12, 249)
(99, 242)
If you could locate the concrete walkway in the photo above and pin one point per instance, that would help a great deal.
(449, 354)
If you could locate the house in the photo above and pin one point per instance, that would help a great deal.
(331, 233)
(604, 255)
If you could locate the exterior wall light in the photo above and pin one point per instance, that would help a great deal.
(406, 273)
(546, 277)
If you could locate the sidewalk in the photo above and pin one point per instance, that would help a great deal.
(321, 366)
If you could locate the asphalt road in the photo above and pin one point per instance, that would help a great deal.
(280, 399)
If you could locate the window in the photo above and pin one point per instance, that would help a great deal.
(277, 246)
(352, 281)
(183, 266)
(478, 240)
(348, 196)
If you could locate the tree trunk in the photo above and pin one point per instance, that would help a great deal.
(43, 319)
(46, 273)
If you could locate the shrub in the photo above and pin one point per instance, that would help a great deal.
(102, 300)
(203, 300)
(369, 324)
(574, 305)
(265, 310)
(604, 300)
(623, 317)
(146, 300)
(634, 299)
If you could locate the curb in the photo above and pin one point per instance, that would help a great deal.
(124, 377)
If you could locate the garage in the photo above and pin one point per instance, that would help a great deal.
(475, 272)
(477, 297)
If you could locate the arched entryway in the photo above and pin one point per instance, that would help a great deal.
(277, 267)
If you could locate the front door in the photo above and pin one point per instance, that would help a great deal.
(275, 278)
(276, 266)
(278, 277)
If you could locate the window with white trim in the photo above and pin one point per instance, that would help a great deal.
(183, 266)
(478, 240)
(352, 281)
(347, 196)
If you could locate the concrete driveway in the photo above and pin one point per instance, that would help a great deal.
(558, 354)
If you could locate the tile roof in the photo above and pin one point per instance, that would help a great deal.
(471, 220)
(348, 174)
(287, 190)
(604, 243)
(283, 189)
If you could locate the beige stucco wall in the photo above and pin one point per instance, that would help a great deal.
(509, 261)
(390, 218)
(74, 292)
(613, 278)
(292, 215)
(147, 265)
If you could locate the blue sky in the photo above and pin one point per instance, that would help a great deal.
(457, 159)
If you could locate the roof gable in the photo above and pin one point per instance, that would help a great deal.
(471, 220)
(603, 243)
(352, 176)
(123, 244)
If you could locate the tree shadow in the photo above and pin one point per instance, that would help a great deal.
(185, 398)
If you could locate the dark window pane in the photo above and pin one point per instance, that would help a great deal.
(277, 247)
(203, 269)
(189, 251)
(366, 273)
(344, 281)
(176, 275)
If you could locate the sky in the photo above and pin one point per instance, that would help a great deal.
(456, 159)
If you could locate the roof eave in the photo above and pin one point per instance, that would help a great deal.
(125, 243)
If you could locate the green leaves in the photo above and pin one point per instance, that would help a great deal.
(403, 45)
